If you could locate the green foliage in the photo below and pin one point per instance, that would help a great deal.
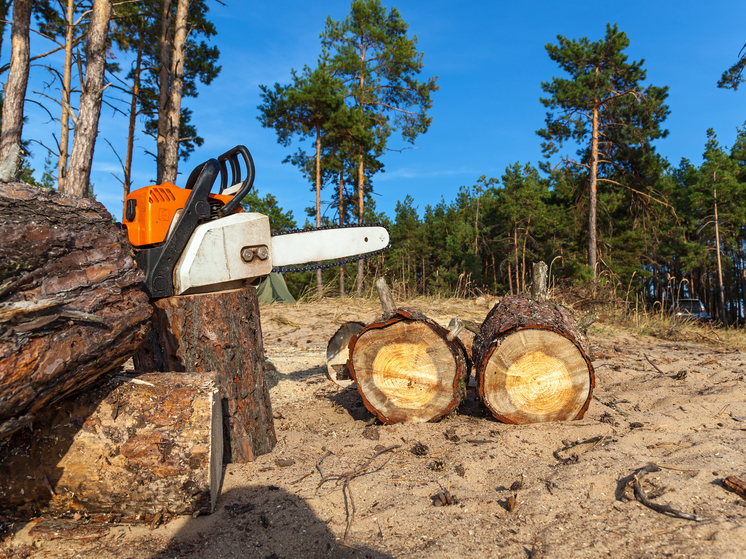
(279, 220)
(604, 110)
(733, 76)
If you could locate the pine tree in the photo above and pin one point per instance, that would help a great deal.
(306, 108)
(379, 64)
(602, 107)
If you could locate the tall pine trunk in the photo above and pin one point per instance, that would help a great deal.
(360, 220)
(592, 254)
(721, 288)
(319, 280)
(15, 88)
(164, 87)
(86, 129)
(66, 108)
(171, 147)
(341, 224)
(133, 122)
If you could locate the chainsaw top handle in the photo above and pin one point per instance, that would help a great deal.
(230, 156)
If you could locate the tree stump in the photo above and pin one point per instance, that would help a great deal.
(532, 363)
(71, 307)
(406, 369)
(218, 332)
(126, 447)
(338, 352)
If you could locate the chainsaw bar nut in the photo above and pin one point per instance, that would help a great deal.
(247, 255)
(262, 253)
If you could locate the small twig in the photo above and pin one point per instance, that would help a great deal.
(653, 364)
(642, 498)
(320, 460)
(479, 441)
(345, 479)
(301, 478)
(598, 440)
(457, 326)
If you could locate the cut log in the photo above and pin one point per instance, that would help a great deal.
(338, 352)
(532, 363)
(406, 369)
(218, 332)
(71, 307)
(125, 447)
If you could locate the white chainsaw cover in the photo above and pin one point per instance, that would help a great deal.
(212, 259)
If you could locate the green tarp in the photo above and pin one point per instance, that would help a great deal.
(273, 288)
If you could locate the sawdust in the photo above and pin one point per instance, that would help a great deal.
(481, 488)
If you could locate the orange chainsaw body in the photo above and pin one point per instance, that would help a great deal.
(149, 211)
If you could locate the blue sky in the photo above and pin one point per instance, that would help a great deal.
(490, 61)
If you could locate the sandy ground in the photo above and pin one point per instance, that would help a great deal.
(678, 404)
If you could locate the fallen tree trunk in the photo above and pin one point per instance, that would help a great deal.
(218, 332)
(71, 307)
(406, 369)
(532, 362)
(126, 447)
(338, 352)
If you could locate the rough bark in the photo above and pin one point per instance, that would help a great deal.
(128, 447)
(338, 352)
(15, 88)
(173, 118)
(406, 369)
(218, 332)
(532, 362)
(71, 306)
(86, 128)
(736, 485)
(539, 282)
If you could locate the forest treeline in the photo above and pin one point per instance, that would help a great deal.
(602, 207)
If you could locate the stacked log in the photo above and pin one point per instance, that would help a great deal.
(128, 447)
(71, 307)
(532, 362)
(338, 352)
(406, 368)
(218, 332)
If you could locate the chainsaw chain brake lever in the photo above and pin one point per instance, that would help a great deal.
(231, 157)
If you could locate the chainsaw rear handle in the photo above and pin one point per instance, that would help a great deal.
(230, 156)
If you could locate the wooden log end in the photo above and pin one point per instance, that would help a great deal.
(407, 371)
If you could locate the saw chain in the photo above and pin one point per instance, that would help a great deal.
(330, 263)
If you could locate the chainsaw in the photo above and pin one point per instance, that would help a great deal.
(190, 240)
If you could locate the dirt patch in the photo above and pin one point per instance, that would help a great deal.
(468, 486)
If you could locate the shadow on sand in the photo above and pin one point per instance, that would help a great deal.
(261, 522)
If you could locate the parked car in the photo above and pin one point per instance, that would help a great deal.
(690, 309)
